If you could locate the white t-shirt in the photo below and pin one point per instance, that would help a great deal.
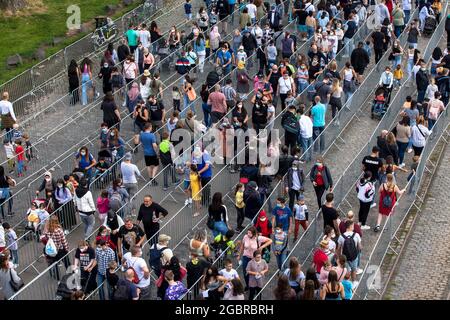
(271, 110)
(7, 107)
(229, 275)
(285, 85)
(138, 264)
(251, 10)
(306, 126)
(144, 37)
(300, 211)
(130, 70)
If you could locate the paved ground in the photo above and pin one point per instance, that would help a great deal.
(423, 272)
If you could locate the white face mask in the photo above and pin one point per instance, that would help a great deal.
(104, 130)
(60, 185)
(83, 153)
(112, 134)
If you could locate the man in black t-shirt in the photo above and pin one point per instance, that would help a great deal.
(330, 214)
(274, 75)
(378, 41)
(373, 163)
(157, 112)
(150, 214)
(130, 234)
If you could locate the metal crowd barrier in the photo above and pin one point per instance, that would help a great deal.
(118, 210)
(307, 243)
(63, 102)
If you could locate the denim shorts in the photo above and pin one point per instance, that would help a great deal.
(352, 265)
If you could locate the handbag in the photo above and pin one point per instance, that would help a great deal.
(191, 94)
(16, 286)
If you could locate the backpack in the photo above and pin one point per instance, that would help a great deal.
(242, 78)
(349, 248)
(135, 275)
(155, 258)
(116, 196)
(290, 124)
(387, 200)
(122, 292)
(63, 292)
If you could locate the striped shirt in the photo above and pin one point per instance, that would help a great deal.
(104, 257)
(229, 93)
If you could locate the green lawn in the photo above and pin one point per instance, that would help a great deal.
(24, 35)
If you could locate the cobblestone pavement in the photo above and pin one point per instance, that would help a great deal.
(423, 271)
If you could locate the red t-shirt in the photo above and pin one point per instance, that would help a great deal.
(319, 259)
(319, 177)
(20, 153)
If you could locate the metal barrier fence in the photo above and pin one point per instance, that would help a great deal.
(308, 241)
(118, 211)
(35, 104)
(30, 79)
(42, 148)
(361, 35)
(371, 280)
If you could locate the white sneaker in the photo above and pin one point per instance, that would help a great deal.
(402, 165)
(359, 271)
(410, 150)
(373, 205)
(190, 200)
(186, 202)
(66, 232)
(366, 227)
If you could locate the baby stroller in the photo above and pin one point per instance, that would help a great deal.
(163, 53)
(380, 102)
(430, 25)
(32, 224)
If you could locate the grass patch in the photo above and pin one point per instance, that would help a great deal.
(25, 34)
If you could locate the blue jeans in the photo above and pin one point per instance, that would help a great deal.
(410, 66)
(397, 61)
(280, 259)
(206, 114)
(348, 48)
(85, 85)
(306, 147)
(348, 97)
(20, 166)
(401, 151)
(302, 86)
(420, 95)
(14, 256)
(186, 104)
(407, 15)
(219, 228)
(245, 260)
(431, 123)
(100, 282)
(310, 31)
(321, 143)
(231, 12)
(398, 30)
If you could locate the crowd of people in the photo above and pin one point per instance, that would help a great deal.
(276, 89)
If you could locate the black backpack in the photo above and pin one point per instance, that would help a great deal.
(349, 248)
(122, 291)
(290, 123)
(155, 259)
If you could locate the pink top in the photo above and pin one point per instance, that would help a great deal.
(323, 277)
(102, 205)
(250, 245)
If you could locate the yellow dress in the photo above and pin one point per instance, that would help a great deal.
(195, 187)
